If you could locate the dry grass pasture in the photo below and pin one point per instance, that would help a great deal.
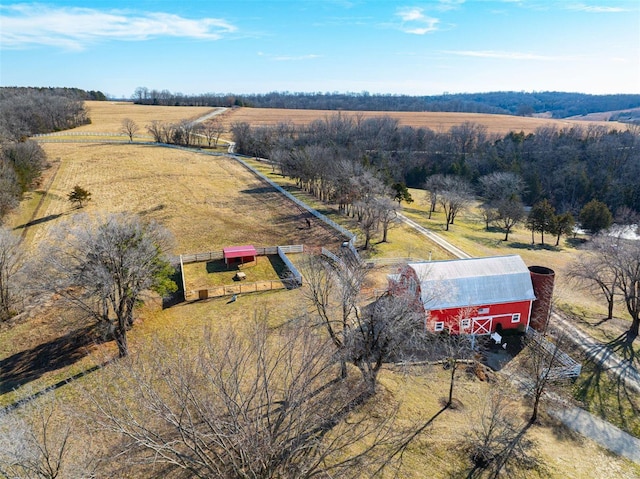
(440, 122)
(107, 116)
(209, 202)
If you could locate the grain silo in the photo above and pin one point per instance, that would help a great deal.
(543, 279)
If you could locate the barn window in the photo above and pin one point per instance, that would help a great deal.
(483, 311)
(439, 326)
(465, 323)
(515, 318)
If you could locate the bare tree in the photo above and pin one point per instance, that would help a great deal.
(510, 213)
(453, 347)
(455, 196)
(387, 213)
(105, 266)
(591, 270)
(35, 444)
(129, 128)
(27, 159)
(497, 444)
(539, 360)
(367, 219)
(618, 262)
(434, 186)
(10, 265)
(489, 214)
(501, 186)
(212, 130)
(254, 405)
(364, 335)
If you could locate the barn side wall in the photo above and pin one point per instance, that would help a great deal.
(500, 316)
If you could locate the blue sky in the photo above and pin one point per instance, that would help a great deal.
(379, 46)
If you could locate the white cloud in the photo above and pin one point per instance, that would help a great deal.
(596, 8)
(295, 58)
(414, 21)
(503, 55)
(25, 25)
(445, 5)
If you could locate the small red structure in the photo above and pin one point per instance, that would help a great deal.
(239, 254)
(475, 296)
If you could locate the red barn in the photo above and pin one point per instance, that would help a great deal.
(474, 296)
(239, 254)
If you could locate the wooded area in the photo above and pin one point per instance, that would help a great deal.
(568, 167)
(557, 104)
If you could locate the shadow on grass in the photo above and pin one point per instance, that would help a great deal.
(609, 392)
(259, 190)
(535, 247)
(26, 366)
(38, 221)
(219, 266)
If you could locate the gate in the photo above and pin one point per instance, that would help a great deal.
(481, 326)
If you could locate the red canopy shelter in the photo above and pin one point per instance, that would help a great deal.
(239, 254)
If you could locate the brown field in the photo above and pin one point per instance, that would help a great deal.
(209, 202)
(107, 116)
(440, 122)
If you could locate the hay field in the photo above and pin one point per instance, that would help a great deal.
(107, 116)
(207, 202)
(440, 122)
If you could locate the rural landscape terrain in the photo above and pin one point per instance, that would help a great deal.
(258, 384)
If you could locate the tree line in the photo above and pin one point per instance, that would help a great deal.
(567, 167)
(25, 112)
(559, 104)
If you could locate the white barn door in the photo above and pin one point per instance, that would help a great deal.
(481, 325)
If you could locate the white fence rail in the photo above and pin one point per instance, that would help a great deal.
(566, 367)
(298, 202)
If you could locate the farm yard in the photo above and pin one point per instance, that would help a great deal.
(209, 202)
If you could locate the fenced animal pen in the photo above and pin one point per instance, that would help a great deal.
(293, 277)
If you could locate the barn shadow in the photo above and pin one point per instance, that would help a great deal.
(26, 366)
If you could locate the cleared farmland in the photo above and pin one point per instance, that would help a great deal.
(107, 116)
(499, 124)
(207, 202)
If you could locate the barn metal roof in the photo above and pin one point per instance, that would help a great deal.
(473, 281)
(239, 251)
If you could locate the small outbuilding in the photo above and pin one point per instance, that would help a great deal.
(474, 296)
(239, 254)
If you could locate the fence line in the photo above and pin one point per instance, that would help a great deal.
(297, 277)
(298, 202)
(225, 290)
(215, 255)
(86, 133)
(332, 256)
(569, 367)
(229, 289)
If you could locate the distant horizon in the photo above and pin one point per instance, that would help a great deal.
(221, 93)
(251, 47)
